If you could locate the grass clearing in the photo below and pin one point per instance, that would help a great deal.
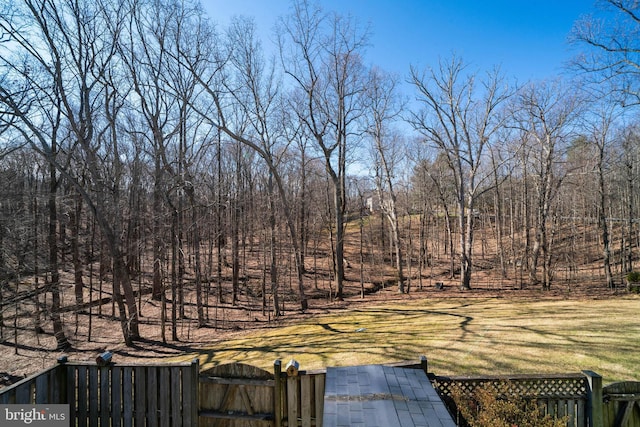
(462, 336)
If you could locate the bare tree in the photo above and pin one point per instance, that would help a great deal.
(436, 180)
(322, 55)
(612, 53)
(461, 121)
(143, 49)
(246, 94)
(601, 139)
(66, 46)
(547, 112)
(630, 147)
(610, 58)
(258, 94)
(599, 127)
(496, 162)
(384, 106)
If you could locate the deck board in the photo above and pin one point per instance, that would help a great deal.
(382, 396)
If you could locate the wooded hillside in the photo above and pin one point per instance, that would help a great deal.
(160, 171)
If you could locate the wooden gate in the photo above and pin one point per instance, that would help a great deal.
(236, 395)
(622, 404)
(239, 395)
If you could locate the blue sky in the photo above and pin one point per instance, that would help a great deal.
(527, 39)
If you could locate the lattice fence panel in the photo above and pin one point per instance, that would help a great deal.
(559, 396)
(564, 387)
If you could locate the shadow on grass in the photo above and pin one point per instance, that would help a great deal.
(364, 336)
(464, 338)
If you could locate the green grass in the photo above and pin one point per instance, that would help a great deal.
(465, 336)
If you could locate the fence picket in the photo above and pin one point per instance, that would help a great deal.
(277, 392)
(152, 397)
(82, 397)
(562, 408)
(104, 395)
(164, 397)
(116, 396)
(93, 396)
(70, 389)
(571, 413)
(305, 400)
(24, 393)
(176, 399)
(127, 396)
(42, 385)
(293, 402)
(319, 380)
(190, 400)
(140, 390)
(581, 415)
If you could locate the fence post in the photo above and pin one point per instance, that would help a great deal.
(277, 391)
(195, 389)
(424, 364)
(62, 379)
(595, 410)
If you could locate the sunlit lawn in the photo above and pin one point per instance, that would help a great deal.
(458, 336)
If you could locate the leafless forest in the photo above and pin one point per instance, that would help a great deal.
(157, 170)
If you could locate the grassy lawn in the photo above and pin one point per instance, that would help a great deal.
(464, 336)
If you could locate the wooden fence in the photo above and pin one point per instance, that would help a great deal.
(621, 404)
(240, 395)
(152, 395)
(579, 397)
(235, 395)
(558, 395)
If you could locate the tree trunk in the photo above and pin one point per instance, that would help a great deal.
(58, 330)
(158, 242)
(629, 229)
(196, 254)
(339, 248)
(122, 282)
(449, 239)
(75, 222)
(361, 247)
(174, 275)
(302, 214)
(273, 260)
(498, 220)
(395, 235)
(220, 237)
(466, 223)
(602, 219)
(235, 231)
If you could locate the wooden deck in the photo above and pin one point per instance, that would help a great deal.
(384, 396)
